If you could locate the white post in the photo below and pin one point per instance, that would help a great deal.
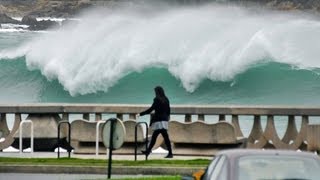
(97, 136)
(20, 135)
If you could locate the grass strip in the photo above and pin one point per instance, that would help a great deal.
(153, 178)
(100, 162)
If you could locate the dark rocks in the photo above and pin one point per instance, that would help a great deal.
(31, 9)
(44, 8)
(294, 4)
(6, 19)
(43, 25)
(68, 8)
(29, 20)
(35, 25)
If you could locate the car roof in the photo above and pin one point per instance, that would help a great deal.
(234, 153)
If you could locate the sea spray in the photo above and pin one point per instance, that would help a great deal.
(194, 43)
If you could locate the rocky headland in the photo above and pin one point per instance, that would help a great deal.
(31, 9)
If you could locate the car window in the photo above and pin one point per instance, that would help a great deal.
(277, 167)
(218, 169)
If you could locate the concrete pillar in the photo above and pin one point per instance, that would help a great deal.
(132, 116)
(120, 116)
(187, 118)
(86, 116)
(65, 116)
(313, 134)
(235, 122)
(222, 117)
(4, 130)
(200, 117)
(291, 132)
(9, 138)
(98, 116)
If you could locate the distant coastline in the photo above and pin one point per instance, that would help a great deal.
(67, 9)
(25, 14)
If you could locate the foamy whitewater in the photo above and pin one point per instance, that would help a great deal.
(217, 53)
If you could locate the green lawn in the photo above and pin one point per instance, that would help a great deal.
(154, 178)
(197, 163)
(98, 162)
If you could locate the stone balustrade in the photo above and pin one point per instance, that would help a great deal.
(44, 113)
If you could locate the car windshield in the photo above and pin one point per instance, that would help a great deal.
(278, 167)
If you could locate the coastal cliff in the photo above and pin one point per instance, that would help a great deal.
(69, 8)
(43, 8)
(30, 10)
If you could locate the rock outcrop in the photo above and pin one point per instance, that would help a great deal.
(35, 25)
(43, 8)
(295, 4)
(6, 19)
(31, 21)
(31, 9)
(67, 8)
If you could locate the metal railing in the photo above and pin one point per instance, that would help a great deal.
(259, 135)
(97, 135)
(136, 139)
(20, 135)
(69, 137)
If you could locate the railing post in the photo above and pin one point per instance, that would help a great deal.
(187, 118)
(86, 116)
(200, 117)
(65, 116)
(136, 139)
(120, 116)
(69, 136)
(235, 122)
(98, 116)
(97, 135)
(222, 117)
(20, 135)
(132, 116)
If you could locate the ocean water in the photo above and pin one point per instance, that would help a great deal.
(201, 54)
(209, 54)
(223, 54)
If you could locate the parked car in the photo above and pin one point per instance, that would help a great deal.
(248, 164)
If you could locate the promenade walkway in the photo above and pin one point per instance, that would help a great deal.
(157, 154)
(116, 170)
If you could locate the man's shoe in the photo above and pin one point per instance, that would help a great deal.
(169, 156)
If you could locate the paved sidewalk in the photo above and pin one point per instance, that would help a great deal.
(93, 156)
(125, 170)
(156, 154)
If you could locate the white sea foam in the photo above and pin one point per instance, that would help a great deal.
(42, 19)
(11, 30)
(13, 27)
(194, 43)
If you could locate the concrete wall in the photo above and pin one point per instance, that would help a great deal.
(259, 137)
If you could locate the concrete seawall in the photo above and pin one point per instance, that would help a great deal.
(45, 118)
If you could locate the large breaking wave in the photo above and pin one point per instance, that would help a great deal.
(194, 43)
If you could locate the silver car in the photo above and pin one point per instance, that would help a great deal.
(248, 164)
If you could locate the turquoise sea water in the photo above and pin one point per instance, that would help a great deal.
(205, 54)
(200, 54)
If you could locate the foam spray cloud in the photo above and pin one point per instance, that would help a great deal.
(194, 43)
